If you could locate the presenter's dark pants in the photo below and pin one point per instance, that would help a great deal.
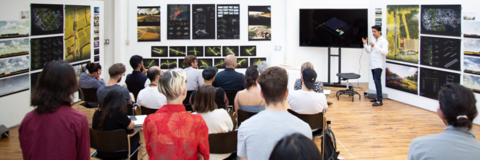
(377, 72)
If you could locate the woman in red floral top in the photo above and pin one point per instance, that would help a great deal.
(172, 132)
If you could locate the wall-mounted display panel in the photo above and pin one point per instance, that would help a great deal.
(213, 51)
(159, 51)
(14, 47)
(178, 21)
(77, 33)
(219, 62)
(228, 21)
(148, 24)
(256, 61)
(195, 50)
(79, 69)
(471, 29)
(13, 85)
(228, 50)
(401, 77)
(248, 51)
(203, 21)
(440, 52)
(242, 63)
(47, 19)
(14, 65)
(441, 20)
(431, 81)
(472, 82)
(44, 50)
(471, 47)
(149, 62)
(14, 29)
(180, 63)
(177, 51)
(403, 33)
(471, 65)
(204, 62)
(33, 80)
(259, 23)
(168, 63)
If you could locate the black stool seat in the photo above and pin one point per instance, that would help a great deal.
(349, 90)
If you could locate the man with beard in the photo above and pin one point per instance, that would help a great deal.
(116, 72)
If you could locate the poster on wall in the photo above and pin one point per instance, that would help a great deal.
(79, 69)
(242, 63)
(44, 50)
(401, 77)
(471, 29)
(469, 16)
(14, 29)
(431, 81)
(403, 32)
(228, 21)
(219, 62)
(178, 21)
(195, 50)
(259, 23)
(77, 33)
(148, 24)
(149, 62)
(471, 65)
(441, 20)
(256, 61)
(168, 63)
(440, 52)
(213, 51)
(46, 19)
(472, 82)
(159, 51)
(13, 85)
(177, 51)
(14, 47)
(378, 14)
(33, 80)
(204, 62)
(248, 51)
(14, 65)
(180, 63)
(227, 50)
(203, 21)
(471, 47)
(96, 35)
(96, 58)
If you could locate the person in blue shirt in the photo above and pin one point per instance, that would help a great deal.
(91, 79)
(230, 80)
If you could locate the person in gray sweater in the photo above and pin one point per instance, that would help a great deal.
(91, 79)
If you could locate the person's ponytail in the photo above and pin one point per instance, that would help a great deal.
(458, 105)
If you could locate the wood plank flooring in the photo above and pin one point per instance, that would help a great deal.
(366, 132)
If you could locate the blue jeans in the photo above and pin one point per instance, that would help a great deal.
(377, 73)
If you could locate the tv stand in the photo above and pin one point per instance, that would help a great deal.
(339, 83)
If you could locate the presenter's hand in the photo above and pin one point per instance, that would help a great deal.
(373, 45)
(364, 40)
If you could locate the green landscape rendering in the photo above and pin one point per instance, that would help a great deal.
(401, 77)
(13, 29)
(403, 32)
(14, 47)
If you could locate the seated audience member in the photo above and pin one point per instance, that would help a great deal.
(298, 83)
(295, 146)
(218, 120)
(262, 66)
(112, 115)
(457, 110)
(209, 76)
(135, 81)
(250, 99)
(230, 80)
(116, 72)
(305, 101)
(54, 130)
(258, 135)
(172, 132)
(91, 79)
(194, 76)
(150, 97)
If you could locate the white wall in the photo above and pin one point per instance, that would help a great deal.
(408, 98)
(14, 107)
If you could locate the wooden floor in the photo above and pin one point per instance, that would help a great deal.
(362, 131)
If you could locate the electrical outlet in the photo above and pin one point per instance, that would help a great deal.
(107, 41)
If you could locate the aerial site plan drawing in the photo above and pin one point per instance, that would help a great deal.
(77, 33)
(46, 19)
(441, 19)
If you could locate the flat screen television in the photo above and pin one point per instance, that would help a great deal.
(333, 27)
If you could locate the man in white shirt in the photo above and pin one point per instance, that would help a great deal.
(305, 101)
(150, 97)
(378, 50)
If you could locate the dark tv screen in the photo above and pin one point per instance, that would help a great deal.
(333, 27)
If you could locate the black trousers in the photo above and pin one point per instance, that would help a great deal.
(377, 73)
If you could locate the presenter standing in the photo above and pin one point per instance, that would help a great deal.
(378, 50)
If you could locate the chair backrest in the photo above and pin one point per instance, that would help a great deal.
(244, 115)
(223, 142)
(109, 141)
(135, 94)
(314, 120)
(231, 97)
(129, 109)
(89, 94)
(147, 111)
(186, 101)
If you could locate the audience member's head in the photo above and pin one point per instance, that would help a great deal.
(230, 61)
(295, 147)
(209, 73)
(251, 76)
(190, 61)
(457, 105)
(116, 71)
(173, 84)
(274, 81)
(54, 87)
(114, 102)
(136, 62)
(94, 67)
(153, 73)
(262, 66)
(205, 99)
(309, 77)
(306, 65)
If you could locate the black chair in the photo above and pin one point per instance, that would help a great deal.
(349, 91)
(147, 111)
(231, 97)
(317, 123)
(111, 141)
(244, 115)
(131, 108)
(223, 143)
(88, 95)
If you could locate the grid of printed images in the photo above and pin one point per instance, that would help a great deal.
(228, 21)
(96, 34)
